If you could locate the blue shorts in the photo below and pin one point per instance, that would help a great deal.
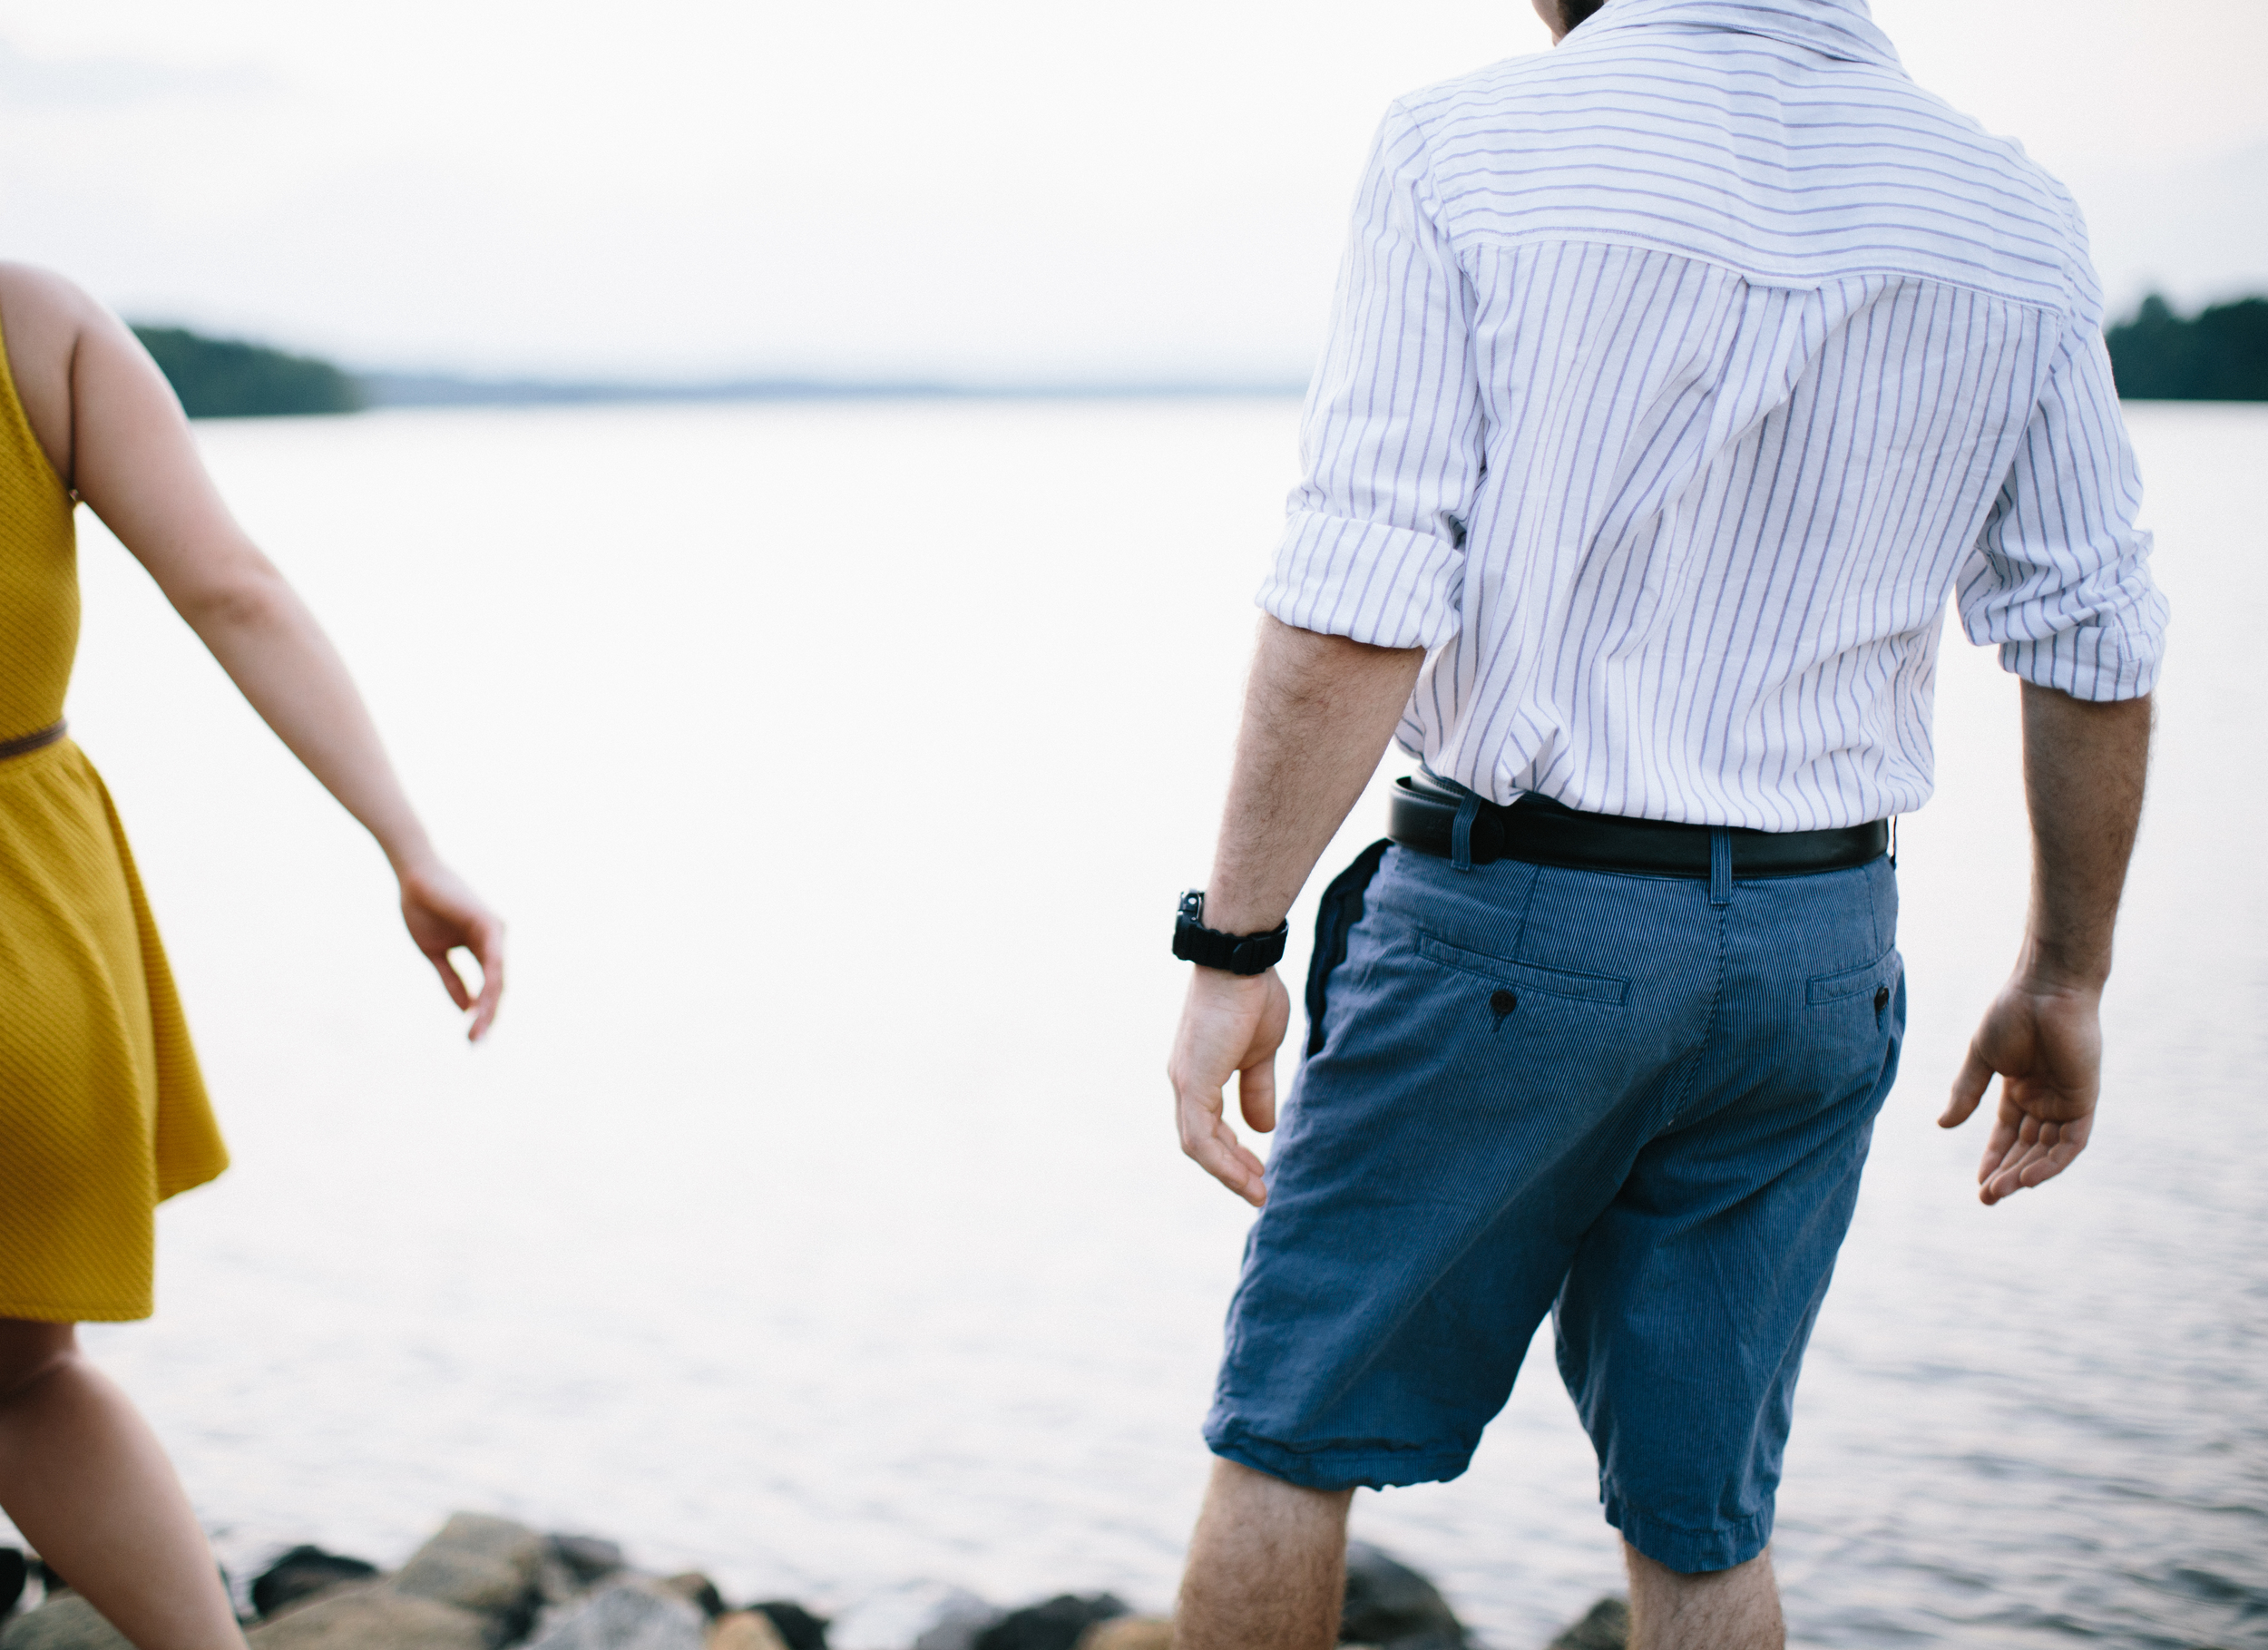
(1612, 1098)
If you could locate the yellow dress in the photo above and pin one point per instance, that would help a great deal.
(103, 1114)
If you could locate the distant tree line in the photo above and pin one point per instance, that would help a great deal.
(226, 378)
(2219, 354)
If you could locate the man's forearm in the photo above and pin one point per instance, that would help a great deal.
(1318, 712)
(2085, 767)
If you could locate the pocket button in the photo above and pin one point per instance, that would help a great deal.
(1882, 998)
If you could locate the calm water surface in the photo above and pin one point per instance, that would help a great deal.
(810, 1221)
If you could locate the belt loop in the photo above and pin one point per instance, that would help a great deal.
(1893, 842)
(1720, 865)
(1460, 831)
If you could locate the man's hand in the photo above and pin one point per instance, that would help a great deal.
(1318, 712)
(1230, 1024)
(2084, 766)
(2046, 1044)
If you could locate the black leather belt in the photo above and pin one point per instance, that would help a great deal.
(30, 742)
(1540, 832)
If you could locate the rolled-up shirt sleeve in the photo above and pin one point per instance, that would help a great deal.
(2061, 578)
(1391, 444)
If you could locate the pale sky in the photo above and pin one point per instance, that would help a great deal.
(1002, 189)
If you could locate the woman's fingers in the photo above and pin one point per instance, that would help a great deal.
(445, 917)
(491, 952)
(452, 981)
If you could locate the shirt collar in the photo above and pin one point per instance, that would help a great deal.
(1836, 28)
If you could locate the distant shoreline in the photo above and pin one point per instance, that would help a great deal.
(390, 389)
(2219, 354)
(235, 378)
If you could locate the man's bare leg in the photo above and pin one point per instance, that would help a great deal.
(1267, 1566)
(86, 1481)
(1735, 1609)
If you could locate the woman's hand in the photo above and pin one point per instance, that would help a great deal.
(110, 425)
(443, 915)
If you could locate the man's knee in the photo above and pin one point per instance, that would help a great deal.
(1246, 1492)
(1254, 1525)
(30, 1352)
(1268, 1566)
(1728, 1609)
(1655, 1571)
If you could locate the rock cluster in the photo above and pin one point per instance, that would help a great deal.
(486, 1583)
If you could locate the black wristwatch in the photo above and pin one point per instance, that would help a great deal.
(1211, 947)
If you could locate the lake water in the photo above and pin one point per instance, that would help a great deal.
(807, 1221)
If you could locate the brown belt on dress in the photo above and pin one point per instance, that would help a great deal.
(30, 742)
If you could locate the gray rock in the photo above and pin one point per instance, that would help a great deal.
(1605, 1628)
(556, 1583)
(372, 1616)
(492, 1567)
(591, 1557)
(629, 1616)
(696, 1590)
(68, 1623)
(1391, 1604)
(797, 1627)
(745, 1630)
(913, 1615)
(302, 1573)
(1056, 1624)
(961, 1629)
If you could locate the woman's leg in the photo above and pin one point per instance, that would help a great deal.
(83, 1478)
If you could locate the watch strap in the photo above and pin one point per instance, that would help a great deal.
(1244, 955)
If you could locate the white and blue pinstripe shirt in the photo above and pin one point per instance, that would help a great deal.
(1676, 377)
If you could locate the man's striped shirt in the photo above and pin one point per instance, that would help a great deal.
(1677, 378)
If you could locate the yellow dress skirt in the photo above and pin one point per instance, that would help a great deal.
(102, 1114)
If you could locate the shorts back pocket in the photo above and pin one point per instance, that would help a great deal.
(1868, 977)
(1527, 976)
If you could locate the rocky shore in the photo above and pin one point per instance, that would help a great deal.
(485, 1583)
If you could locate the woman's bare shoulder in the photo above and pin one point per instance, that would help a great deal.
(49, 310)
(42, 317)
(36, 284)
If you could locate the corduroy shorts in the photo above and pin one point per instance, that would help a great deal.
(1639, 1103)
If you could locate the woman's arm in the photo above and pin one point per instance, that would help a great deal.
(116, 435)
